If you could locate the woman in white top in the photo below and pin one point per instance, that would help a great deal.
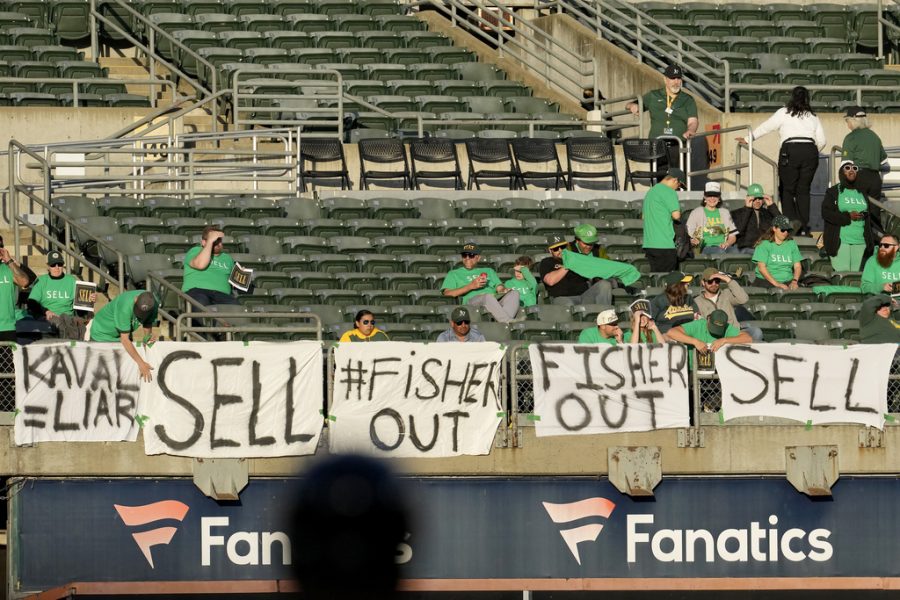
(802, 138)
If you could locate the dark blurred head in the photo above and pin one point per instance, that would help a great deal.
(349, 517)
(798, 104)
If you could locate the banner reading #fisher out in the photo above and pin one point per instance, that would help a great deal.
(416, 400)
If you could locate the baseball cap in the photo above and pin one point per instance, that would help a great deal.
(844, 163)
(460, 313)
(586, 233)
(556, 240)
(641, 304)
(145, 308)
(54, 258)
(783, 223)
(470, 248)
(855, 111)
(607, 317)
(677, 277)
(673, 72)
(712, 189)
(755, 190)
(717, 323)
(676, 173)
(709, 272)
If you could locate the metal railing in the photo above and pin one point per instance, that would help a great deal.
(259, 98)
(295, 324)
(886, 28)
(754, 153)
(76, 84)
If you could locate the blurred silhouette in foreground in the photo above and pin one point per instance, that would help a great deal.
(348, 519)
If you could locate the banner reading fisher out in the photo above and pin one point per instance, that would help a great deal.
(228, 400)
(416, 400)
(818, 384)
(74, 392)
(584, 389)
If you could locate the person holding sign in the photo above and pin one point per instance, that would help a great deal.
(365, 330)
(207, 268)
(460, 328)
(523, 281)
(882, 270)
(607, 330)
(118, 320)
(477, 286)
(710, 226)
(875, 323)
(709, 334)
(848, 236)
(661, 210)
(52, 299)
(643, 327)
(777, 257)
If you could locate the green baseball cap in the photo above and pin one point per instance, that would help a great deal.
(587, 233)
(755, 190)
(717, 323)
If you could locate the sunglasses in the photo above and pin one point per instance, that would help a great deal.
(853, 168)
(711, 281)
(468, 255)
(783, 230)
(368, 321)
(760, 198)
(463, 322)
(886, 246)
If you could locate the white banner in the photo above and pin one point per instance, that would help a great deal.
(596, 388)
(228, 400)
(817, 384)
(75, 392)
(416, 400)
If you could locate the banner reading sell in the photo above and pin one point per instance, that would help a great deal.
(584, 389)
(228, 400)
(74, 392)
(818, 384)
(416, 400)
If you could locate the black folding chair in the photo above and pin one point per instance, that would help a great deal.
(645, 151)
(591, 158)
(390, 156)
(490, 159)
(315, 153)
(427, 154)
(536, 161)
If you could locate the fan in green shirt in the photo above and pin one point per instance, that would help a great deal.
(53, 294)
(12, 278)
(607, 330)
(523, 281)
(116, 321)
(709, 334)
(661, 208)
(477, 286)
(882, 270)
(778, 257)
(207, 268)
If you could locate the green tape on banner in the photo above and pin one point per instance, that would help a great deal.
(332, 418)
(533, 417)
(246, 343)
(16, 412)
(144, 341)
(321, 412)
(14, 347)
(502, 413)
(503, 346)
(889, 418)
(72, 343)
(809, 425)
(141, 419)
(721, 417)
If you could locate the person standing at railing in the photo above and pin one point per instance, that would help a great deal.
(848, 238)
(864, 148)
(802, 138)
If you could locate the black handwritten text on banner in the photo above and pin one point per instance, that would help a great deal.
(76, 393)
(821, 384)
(228, 400)
(582, 389)
(414, 400)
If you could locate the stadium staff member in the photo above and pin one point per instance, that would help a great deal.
(477, 286)
(709, 334)
(755, 218)
(118, 320)
(661, 210)
(864, 148)
(460, 328)
(207, 268)
(607, 330)
(848, 237)
(12, 279)
(882, 270)
(565, 286)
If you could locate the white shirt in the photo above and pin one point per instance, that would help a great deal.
(803, 126)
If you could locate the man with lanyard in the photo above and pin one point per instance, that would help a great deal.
(673, 114)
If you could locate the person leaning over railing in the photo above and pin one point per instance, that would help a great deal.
(365, 330)
(118, 320)
(709, 334)
(777, 257)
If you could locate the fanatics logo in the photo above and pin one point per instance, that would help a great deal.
(135, 516)
(574, 511)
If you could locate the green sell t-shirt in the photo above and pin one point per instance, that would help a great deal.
(864, 147)
(213, 277)
(116, 318)
(698, 329)
(9, 293)
(663, 123)
(714, 233)
(57, 295)
(462, 276)
(591, 335)
(849, 200)
(779, 260)
(526, 287)
(659, 204)
(875, 276)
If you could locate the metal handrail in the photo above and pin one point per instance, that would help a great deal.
(883, 24)
(76, 82)
(181, 327)
(189, 304)
(754, 153)
(14, 188)
(150, 51)
(735, 167)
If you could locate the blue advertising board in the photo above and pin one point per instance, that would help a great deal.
(111, 530)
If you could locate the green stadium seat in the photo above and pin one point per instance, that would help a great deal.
(262, 23)
(777, 311)
(744, 44)
(545, 227)
(300, 208)
(696, 11)
(186, 225)
(144, 225)
(403, 281)
(292, 297)
(534, 331)
(324, 227)
(659, 10)
(398, 23)
(288, 263)
(409, 87)
(347, 244)
(834, 19)
(527, 244)
(70, 19)
(20, 53)
(433, 298)
(417, 314)
(380, 8)
(33, 69)
(799, 77)
(213, 207)
(824, 311)
(36, 10)
(717, 28)
(290, 7)
(124, 243)
(432, 71)
(240, 8)
(368, 262)
(328, 314)
(396, 245)
(552, 313)
(412, 227)
(772, 330)
(811, 330)
(288, 40)
(165, 207)
(265, 245)
(739, 12)
(786, 45)
(844, 329)
(359, 282)
(138, 266)
(202, 7)
(334, 39)
(271, 279)
(798, 296)
(313, 280)
(83, 99)
(434, 208)
(33, 99)
(122, 206)
(458, 227)
(310, 23)
(423, 264)
(167, 243)
(334, 7)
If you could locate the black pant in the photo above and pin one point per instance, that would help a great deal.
(662, 260)
(797, 164)
(868, 181)
(209, 298)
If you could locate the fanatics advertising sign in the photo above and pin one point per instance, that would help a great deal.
(547, 532)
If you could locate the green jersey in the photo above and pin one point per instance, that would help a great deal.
(779, 259)
(56, 295)
(854, 233)
(9, 293)
(863, 146)
(457, 278)
(698, 329)
(591, 335)
(116, 318)
(659, 204)
(714, 232)
(680, 107)
(875, 276)
(213, 277)
(527, 287)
